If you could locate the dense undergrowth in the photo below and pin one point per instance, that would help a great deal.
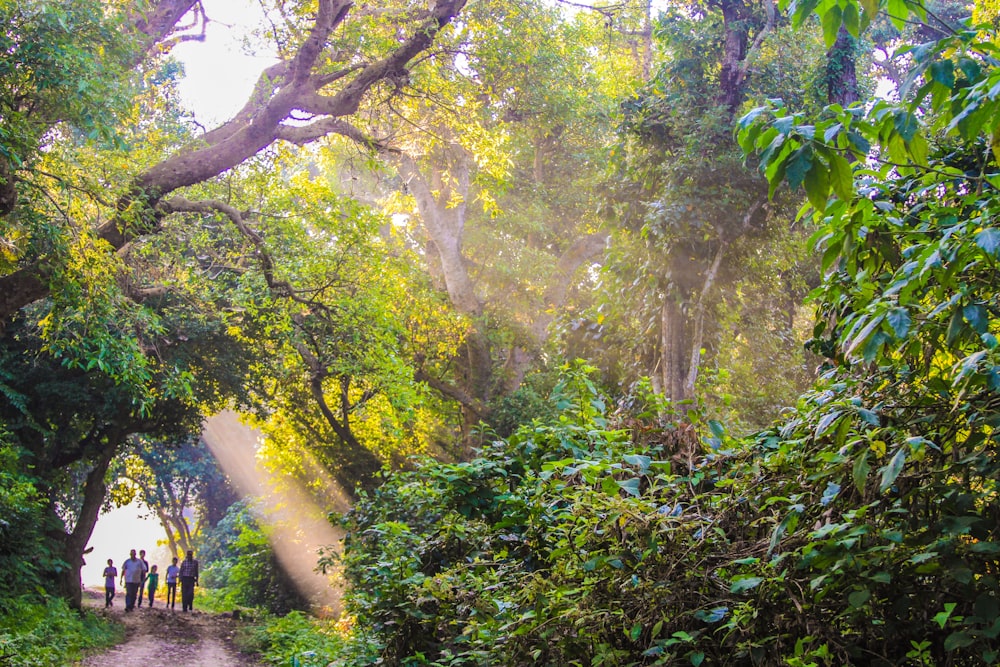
(37, 632)
(586, 541)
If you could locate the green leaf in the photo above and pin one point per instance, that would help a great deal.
(906, 124)
(798, 166)
(638, 460)
(630, 486)
(832, 20)
(858, 598)
(635, 632)
(955, 326)
(697, 657)
(897, 13)
(977, 317)
(802, 10)
(943, 72)
(941, 618)
(841, 177)
(989, 241)
(891, 471)
(852, 22)
(745, 584)
(899, 322)
(958, 640)
(818, 185)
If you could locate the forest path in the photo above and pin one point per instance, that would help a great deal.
(158, 637)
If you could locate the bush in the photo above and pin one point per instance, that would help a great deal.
(244, 568)
(294, 639)
(48, 633)
(814, 543)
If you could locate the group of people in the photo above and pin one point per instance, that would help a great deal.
(140, 578)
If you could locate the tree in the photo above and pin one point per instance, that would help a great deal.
(497, 166)
(314, 77)
(692, 217)
(174, 480)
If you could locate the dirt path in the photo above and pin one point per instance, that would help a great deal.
(158, 637)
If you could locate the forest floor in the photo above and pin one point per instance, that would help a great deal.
(157, 637)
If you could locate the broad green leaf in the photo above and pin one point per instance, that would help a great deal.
(697, 657)
(943, 72)
(630, 486)
(897, 13)
(989, 241)
(798, 166)
(817, 184)
(977, 317)
(892, 470)
(852, 22)
(745, 584)
(832, 20)
(941, 618)
(899, 322)
(858, 598)
(906, 124)
(958, 640)
(955, 326)
(861, 470)
(841, 177)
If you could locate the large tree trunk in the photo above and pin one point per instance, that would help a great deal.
(841, 74)
(673, 343)
(733, 74)
(73, 543)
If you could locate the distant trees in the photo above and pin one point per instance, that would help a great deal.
(686, 281)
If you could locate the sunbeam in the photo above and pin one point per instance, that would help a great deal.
(296, 526)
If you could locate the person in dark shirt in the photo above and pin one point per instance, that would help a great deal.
(110, 574)
(189, 579)
(145, 573)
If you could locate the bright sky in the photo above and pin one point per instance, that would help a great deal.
(219, 72)
(118, 531)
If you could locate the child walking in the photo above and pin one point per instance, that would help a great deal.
(110, 574)
(153, 579)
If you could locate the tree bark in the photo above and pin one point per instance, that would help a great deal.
(841, 74)
(672, 344)
(732, 73)
(73, 543)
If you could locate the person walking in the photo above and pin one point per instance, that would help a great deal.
(189, 579)
(153, 581)
(145, 573)
(110, 574)
(172, 572)
(132, 578)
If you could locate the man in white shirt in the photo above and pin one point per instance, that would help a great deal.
(132, 573)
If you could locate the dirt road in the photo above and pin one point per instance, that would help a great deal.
(159, 637)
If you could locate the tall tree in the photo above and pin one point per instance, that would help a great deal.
(325, 73)
(693, 217)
